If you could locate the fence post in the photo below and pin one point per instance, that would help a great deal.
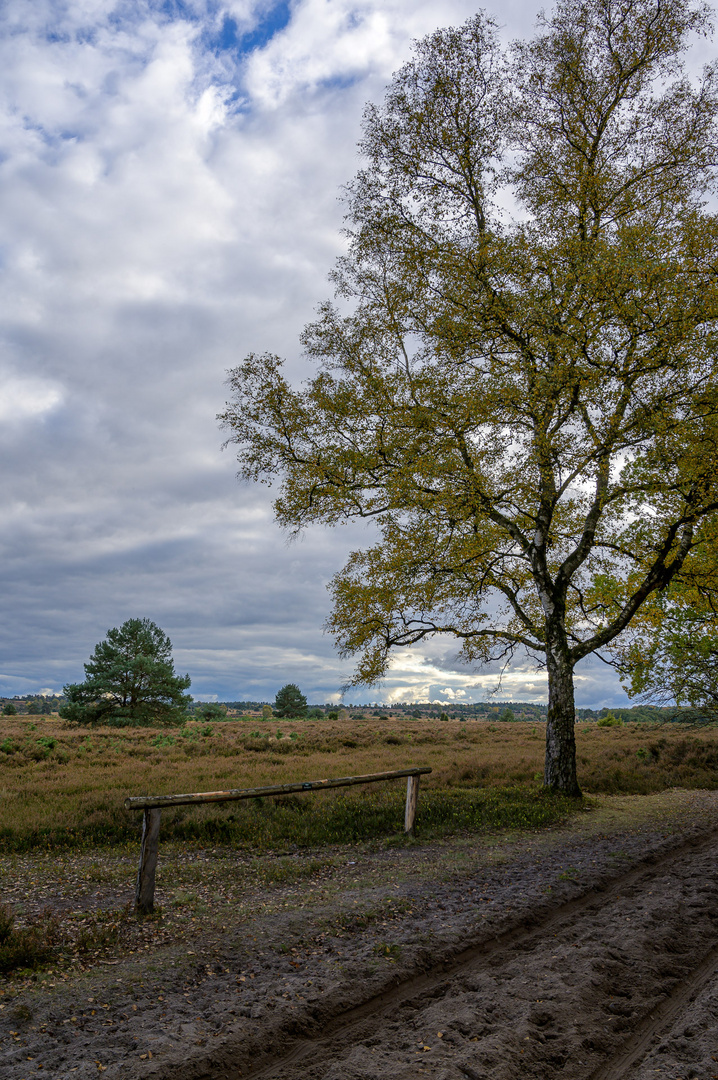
(412, 796)
(145, 890)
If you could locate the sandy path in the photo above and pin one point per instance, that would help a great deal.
(587, 991)
(584, 953)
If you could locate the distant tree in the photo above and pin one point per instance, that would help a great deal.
(212, 710)
(290, 701)
(130, 680)
(266, 712)
(9, 709)
(507, 715)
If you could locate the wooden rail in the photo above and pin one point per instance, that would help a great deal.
(153, 804)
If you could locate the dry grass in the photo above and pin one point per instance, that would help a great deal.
(64, 785)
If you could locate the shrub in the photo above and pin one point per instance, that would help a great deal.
(212, 710)
(609, 720)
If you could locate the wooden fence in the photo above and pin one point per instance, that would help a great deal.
(153, 804)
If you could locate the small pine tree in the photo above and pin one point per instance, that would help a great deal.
(130, 680)
(9, 709)
(290, 701)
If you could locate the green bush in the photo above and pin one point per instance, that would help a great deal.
(609, 720)
(314, 819)
(212, 711)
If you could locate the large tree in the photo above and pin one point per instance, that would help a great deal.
(517, 382)
(130, 679)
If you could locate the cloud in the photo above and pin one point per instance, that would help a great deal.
(21, 399)
(169, 175)
(452, 693)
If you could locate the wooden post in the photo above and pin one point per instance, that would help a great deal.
(145, 891)
(412, 797)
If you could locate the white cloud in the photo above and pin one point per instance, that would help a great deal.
(452, 693)
(21, 398)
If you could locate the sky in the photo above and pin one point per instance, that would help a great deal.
(169, 181)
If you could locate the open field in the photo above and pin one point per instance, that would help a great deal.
(64, 786)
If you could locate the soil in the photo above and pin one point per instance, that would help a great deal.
(584, 952)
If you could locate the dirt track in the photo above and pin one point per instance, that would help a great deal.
(579, 993)
(588, 954)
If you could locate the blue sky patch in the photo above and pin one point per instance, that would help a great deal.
(231, 39)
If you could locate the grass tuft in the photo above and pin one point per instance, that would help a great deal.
(25, 947)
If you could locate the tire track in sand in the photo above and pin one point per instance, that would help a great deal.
(351, 1026)
(658, 1020)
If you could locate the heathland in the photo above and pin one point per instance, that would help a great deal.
(66, 786)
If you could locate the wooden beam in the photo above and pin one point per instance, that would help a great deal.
(148, 802)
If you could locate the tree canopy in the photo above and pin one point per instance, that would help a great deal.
(670, 653)
(130, 679)
(290, 701)
(517, 381)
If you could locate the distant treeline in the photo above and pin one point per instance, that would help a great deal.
(505, 712)
(34, 704)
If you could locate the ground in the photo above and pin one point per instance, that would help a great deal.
(587, 950)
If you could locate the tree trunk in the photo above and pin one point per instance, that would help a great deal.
(560, 764)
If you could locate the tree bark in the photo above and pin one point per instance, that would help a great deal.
(560, 762)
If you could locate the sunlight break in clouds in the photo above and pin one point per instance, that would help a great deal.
(21, 399)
